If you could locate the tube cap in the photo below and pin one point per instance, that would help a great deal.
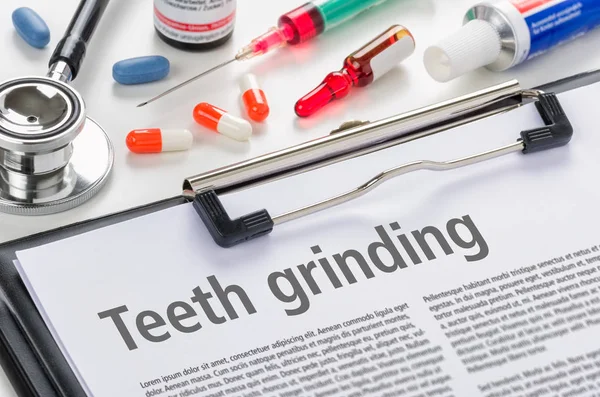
(474, 45)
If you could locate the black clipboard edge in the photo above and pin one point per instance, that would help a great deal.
(20, 365)
(30, 356)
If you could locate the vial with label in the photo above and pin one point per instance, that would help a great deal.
(361, 68)
(194, 24)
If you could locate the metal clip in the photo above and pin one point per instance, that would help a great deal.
(227, 232)
(556, 132)
(353, 140)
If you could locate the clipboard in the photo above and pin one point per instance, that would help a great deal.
(31, 357)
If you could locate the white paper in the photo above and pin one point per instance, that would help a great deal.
(527, 209)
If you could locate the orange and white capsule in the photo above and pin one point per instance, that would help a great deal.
(254, 98)
(222, 122)
(156, 140)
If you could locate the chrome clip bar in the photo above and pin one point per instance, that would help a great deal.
(354, 139)
(394, 172)
(204, 189)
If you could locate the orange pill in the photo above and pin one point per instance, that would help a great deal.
(254, 98)
(156, 140)
(219, 120)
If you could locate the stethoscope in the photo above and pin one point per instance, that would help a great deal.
(52, 156)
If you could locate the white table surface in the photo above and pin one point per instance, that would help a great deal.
(127, 31)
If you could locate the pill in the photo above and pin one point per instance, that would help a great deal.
(31, 27)
(254, 98)
(156, 140)
(141, 69)
(222, 122)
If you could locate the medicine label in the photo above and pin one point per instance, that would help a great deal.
(553, 22)
(195, 21)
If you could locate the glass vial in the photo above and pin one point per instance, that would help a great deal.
(194, 25)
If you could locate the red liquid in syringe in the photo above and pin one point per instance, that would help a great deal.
(360, 69)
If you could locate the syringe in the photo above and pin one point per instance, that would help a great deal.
(297, 26)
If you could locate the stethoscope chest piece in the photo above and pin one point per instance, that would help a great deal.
(52, 157)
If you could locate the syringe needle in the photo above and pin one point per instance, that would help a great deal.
(170, 90)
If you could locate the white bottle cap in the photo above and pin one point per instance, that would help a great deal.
(474, 45)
